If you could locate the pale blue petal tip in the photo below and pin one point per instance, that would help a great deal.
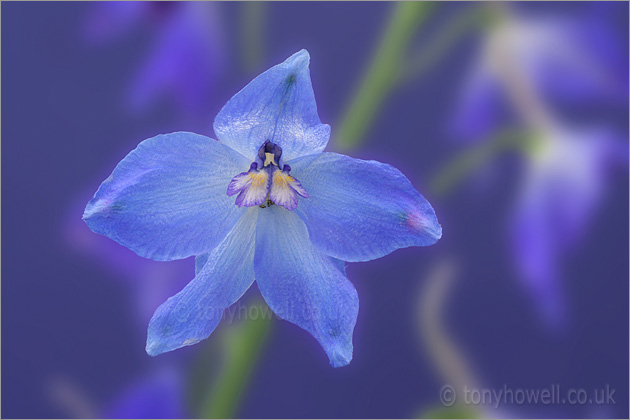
(156, 345)
(438, 232)
(433, 229)
(340, 356)
(299, 60)
(153, 348)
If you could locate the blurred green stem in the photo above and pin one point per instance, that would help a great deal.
(242, 344)
(252, 34)
(389, 68)
(473, 158)
(448, 34)
(382, 72)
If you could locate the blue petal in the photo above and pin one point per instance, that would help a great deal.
(304, 286)
(361, 210)
(279, 105)
(191, 315)
(166, 200)
(200, 262)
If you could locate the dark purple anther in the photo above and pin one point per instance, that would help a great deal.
(262, 150)
(271, 148)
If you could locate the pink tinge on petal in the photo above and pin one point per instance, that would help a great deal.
(417, 221)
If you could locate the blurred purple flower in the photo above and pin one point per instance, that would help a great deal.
(568, 60)
(159, 392)
(109, 20)
(537, 66)
(564, 182)
(185, 58)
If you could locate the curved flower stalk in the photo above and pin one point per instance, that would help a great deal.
(297, 216)
(447, 356)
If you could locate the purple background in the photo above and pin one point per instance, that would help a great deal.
(66, 318)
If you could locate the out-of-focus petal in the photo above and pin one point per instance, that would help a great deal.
(279, 105)
(191, 315)
(569, 60)
(304, 286)
(561, 191)
(537, 257)
(564, 58)
(108, 20)
(166, 200)
(361, 210)
(158, 395)
(184, 61)
(481, 108)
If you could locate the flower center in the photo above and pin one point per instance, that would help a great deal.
(267, 182)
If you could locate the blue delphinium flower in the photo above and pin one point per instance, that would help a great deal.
(261, 203)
